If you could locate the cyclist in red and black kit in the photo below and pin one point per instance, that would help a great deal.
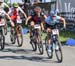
(36, 18)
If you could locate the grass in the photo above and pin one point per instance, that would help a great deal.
(64, 35)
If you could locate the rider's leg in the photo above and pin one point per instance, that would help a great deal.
(31, 27)
(12, 26)
(42, 26)
(49, 35)
(17, 26)
(3, 21)
(49, 39)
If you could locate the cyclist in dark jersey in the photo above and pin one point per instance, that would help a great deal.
(36, 18)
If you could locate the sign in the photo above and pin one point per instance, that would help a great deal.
(67, 10)
(66, 5)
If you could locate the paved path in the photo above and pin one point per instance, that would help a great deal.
(24, 56)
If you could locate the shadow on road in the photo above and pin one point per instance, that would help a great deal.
(18, 51)
(25, 54)
(30, 58)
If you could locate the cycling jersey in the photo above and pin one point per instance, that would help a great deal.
(11, 11)
(52, 20)
(37, 18)
(15, 12)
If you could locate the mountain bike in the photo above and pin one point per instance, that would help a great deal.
(55, 42)
(36, 39)
(16, 33)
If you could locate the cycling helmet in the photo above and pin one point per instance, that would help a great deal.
(15, 4)
(1, 0)
(52, 13)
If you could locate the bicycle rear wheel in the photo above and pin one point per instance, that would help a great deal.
(2, 42)
(20, 37)
(50, 54)
(2, 38)
(34, 46)
(58, 52)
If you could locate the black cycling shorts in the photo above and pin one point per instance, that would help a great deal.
(50, 26)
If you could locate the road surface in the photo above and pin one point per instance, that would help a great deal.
(13, 55)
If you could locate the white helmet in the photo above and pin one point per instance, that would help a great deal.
(1, 0)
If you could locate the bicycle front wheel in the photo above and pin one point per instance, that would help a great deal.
(12, 36)
(58, 51)
(50, 54)
(19, 36)
(40, 45)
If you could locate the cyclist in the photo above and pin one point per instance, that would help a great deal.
(36, 18)
(52, 21)
(3, 12)
(14, 13)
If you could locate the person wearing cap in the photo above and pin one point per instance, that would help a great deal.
(14, 13)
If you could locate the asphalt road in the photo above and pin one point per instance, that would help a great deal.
(13, 55)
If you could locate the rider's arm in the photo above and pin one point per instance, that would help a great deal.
(45, 16)
(8, 17)
(29, 17)
(23, 12)
(64, 22)
(61, 20)
(42, 24)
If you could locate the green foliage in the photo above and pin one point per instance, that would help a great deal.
(64, 35)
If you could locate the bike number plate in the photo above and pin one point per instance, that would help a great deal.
(37, 26)
(19, 21)
(55, 31)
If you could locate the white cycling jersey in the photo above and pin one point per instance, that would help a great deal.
(11, 11)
